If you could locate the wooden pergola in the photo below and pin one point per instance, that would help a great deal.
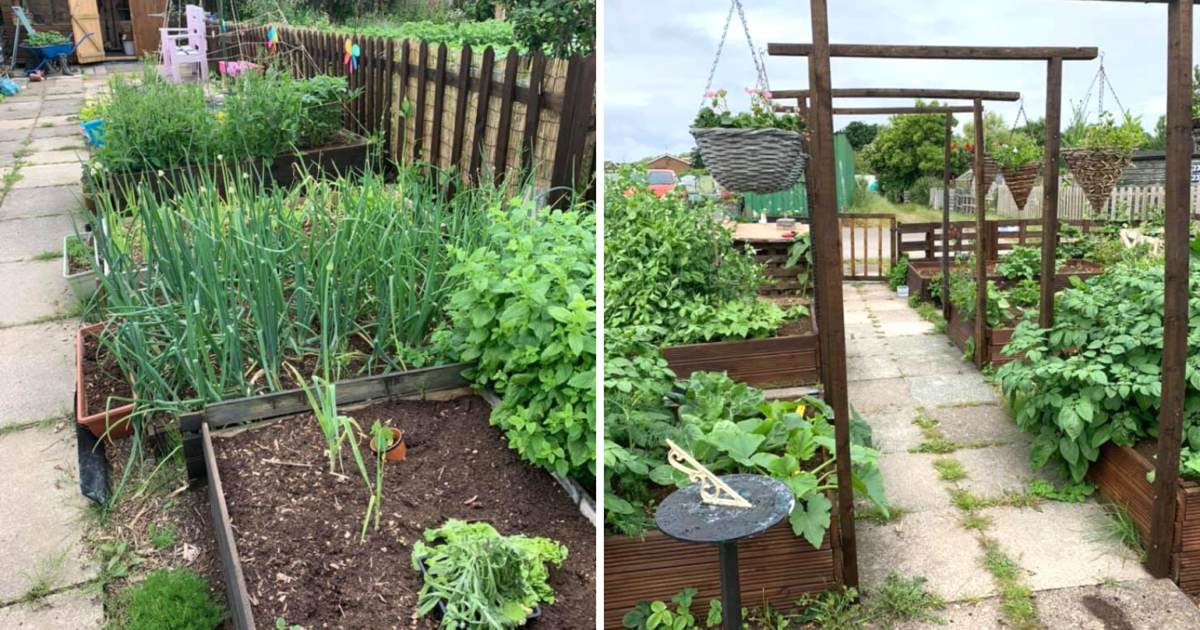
(823, 212)
(1176, 247)
(978, 96)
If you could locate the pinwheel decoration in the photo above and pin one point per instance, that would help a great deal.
(351, 58)
(272, 39)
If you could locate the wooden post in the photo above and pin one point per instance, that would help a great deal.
(1054, 73)
(981, 188)
(1175, 308)
(946, 220)
(829, 271)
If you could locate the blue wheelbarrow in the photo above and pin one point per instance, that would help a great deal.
(52, 58)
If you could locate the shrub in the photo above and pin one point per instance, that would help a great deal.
(527, 312)
(919, 191)
(898, 274)
(563, 27)
(170, 599)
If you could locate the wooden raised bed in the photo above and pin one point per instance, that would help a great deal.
(346, 157)
(961, 330)
(773, 254)
(788, 361)
(1120, 475)
(198, 428)
(921, 274)
(777, 566)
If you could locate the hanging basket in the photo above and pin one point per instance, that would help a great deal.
(1020, 181)
(1097, 172)
(758, 161)
(991, 168)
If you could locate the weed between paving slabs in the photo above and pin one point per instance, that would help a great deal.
(297, 526)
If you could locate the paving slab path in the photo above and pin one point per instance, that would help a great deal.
(46, 576)
(928, 408)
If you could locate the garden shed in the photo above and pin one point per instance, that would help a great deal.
(112, 23)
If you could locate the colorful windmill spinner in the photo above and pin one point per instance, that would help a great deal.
(272, 39)
(351, 58)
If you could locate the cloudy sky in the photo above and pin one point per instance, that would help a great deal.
(658, 53)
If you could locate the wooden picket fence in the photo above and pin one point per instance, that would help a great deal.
(1125, 203)
(472, 113)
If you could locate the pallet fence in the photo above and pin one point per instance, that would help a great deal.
(1127, 203)
(473, 112)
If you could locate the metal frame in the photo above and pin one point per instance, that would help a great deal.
(823, 211)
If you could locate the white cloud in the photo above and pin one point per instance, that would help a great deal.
(658, 54)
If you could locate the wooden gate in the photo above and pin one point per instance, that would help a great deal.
(85, 18)
(868, 252)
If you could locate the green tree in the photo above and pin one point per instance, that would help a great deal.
(911, 145)
(565, 27)
(861, 134)
(1158, 141)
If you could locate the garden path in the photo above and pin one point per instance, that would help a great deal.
(912, 386)
(46, 575)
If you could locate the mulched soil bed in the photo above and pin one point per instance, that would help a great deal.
(297, 526)
(800, 326)
(102, 378)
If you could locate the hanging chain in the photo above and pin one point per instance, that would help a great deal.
(1020, 114)
(760, 67)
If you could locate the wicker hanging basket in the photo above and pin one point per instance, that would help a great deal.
(991, 168)
(758, 161)
(1020, 181)
(1097, 172)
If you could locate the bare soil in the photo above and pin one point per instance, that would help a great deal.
(801, 326)
(297, 526)
(102, 378)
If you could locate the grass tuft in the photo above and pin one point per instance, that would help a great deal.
(902, 599)
(950, 469)
(43, 578)
(1123, 529)
(874, 514)
(1016, 602)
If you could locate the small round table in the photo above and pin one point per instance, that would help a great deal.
(684, 517)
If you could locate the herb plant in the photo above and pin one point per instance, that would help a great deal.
(898, 274)
(526, 311)
(487, 581)
(169, 598)
(761, 115)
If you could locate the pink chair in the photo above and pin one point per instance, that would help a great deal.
(185, 45)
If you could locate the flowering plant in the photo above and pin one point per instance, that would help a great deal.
(761, 115)
(1016, 151)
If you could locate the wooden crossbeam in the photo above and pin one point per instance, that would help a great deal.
(932, 93)
(872, 111)
(978, 53)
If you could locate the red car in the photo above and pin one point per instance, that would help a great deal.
(659, 181)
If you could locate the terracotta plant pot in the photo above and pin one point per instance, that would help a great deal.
(398, 450)
(99, 422)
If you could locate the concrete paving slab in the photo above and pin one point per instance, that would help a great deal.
(75, 609)
(906, 329)
(920, 345)
(857, 317)
(10, 147)
(930, 544)
(1140, 605)
(61, 107)
(50, 175)
(25, 238)
(891, 304)
(39, 367)
(995, 470)
(1063, 545)
(16, 124)
(905, 316)
(861, 331)
(40, 202)
(865, 347)
(19, 110)
(889, 393)
(32, 290)
(977, 423)
(60, 142)
(912, 482)
(58, 132)
(946, 362)
(58, 157)
(58, 121)
(939, 391)
(893, 430)
(982, 615)
(41, 500)
(14, 135)
(871, 368)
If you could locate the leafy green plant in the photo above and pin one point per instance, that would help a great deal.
(900, 599)
(762, 115)
(1025, 294)
(1096, 376)
(79, 253)
(659, 615)
(833, 610)
(801, 252)
(1070, 492)
(1021, 263)
(898, 274)
(282, 624)
(485, 580)
(170, 598)
(1074, 244)
(162, 535)
(564, 27)
(526, 311)
(1107, 133)
(45, 38)
(1016, 150)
